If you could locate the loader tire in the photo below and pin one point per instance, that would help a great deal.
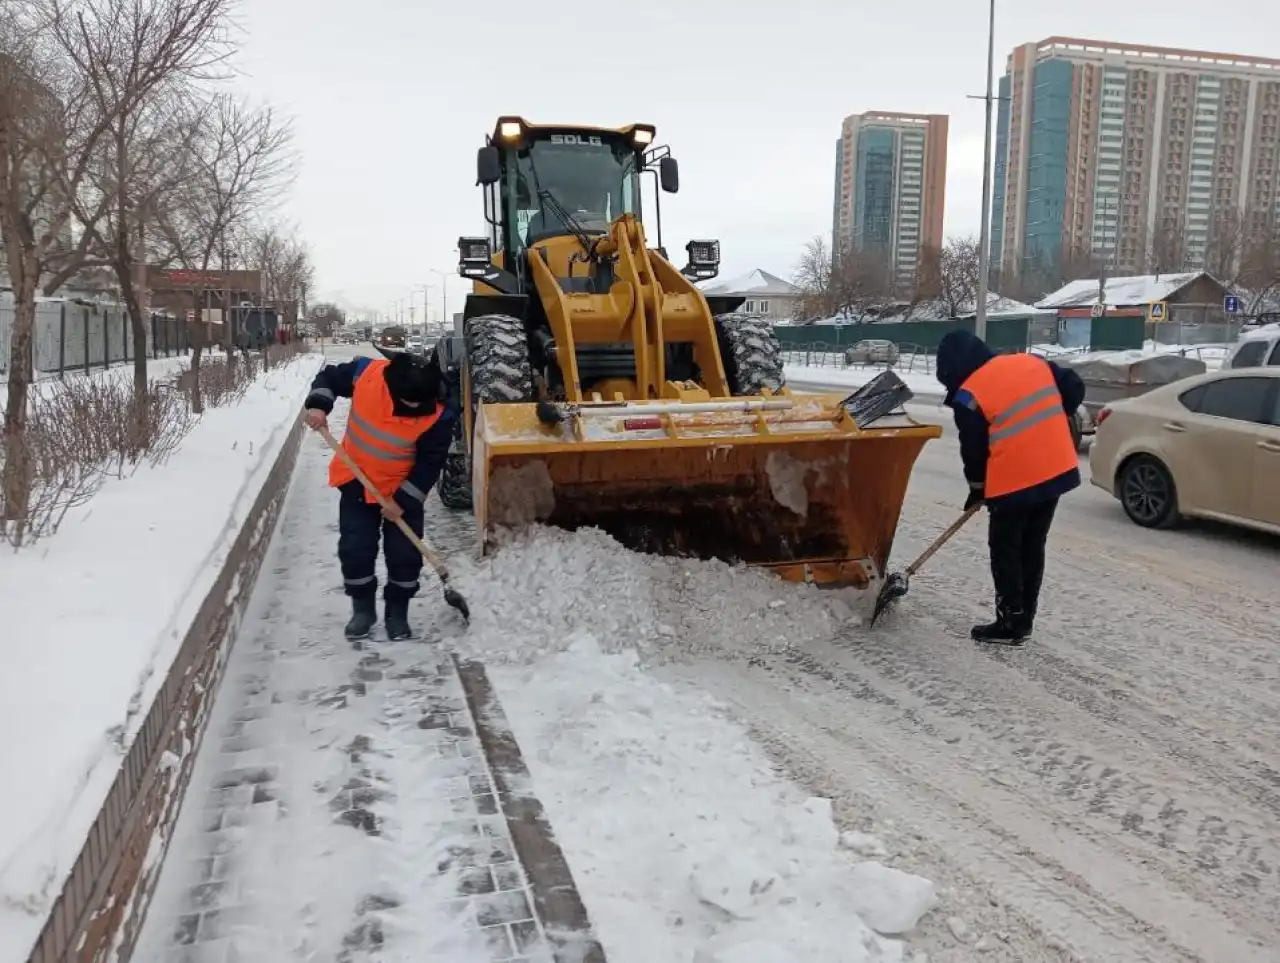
(498, 355)
(750, 352)
(498, 363)
(454, 486)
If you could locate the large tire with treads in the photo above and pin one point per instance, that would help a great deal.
(454, 486)
(750, 352)
(498, 364)
(498, 358)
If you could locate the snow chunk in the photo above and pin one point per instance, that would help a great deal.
(890, 901)
(864, 844)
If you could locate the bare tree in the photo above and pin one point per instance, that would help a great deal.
(1166, 249)
(1260, 271)
(327, 318)
(957, 274)
(241, 163)
(812, 275)
(58, 107)
(861, 281)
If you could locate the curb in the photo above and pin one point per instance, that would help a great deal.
(104, 901)
(555, 894)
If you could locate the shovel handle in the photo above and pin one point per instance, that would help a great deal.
(432, 558)
(942, 539)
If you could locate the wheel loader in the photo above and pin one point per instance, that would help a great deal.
(601, 387)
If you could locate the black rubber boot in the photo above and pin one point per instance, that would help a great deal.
(1011, 627)
(396, 619)
(364, 613)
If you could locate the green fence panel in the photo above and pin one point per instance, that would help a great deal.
(1003, 334)
(1117, 333)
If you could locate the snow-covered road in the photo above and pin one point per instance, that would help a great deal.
(1109, 793)
(1112, 792)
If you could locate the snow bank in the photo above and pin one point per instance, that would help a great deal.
(92, 620)
(684, 844)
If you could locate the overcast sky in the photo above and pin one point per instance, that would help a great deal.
(391, 99)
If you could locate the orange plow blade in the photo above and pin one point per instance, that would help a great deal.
(789, 482)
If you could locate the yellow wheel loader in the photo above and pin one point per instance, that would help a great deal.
(600, 386)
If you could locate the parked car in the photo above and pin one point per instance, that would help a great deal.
(1256, 347)
(872, 352)
(1205, 447)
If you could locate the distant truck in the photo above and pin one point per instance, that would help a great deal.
(392, 337)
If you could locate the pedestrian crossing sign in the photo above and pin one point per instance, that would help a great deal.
(1157, 311)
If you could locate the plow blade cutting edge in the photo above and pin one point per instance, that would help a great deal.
(786, 482)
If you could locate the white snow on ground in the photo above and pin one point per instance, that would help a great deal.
(685, 844)
(92, 619)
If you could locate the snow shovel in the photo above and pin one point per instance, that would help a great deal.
(896, 584)
(451, 595)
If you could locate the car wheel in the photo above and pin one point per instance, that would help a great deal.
(1147, 493)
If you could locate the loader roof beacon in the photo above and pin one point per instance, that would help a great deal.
(602, 388)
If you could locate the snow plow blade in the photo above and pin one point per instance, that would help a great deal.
(789, 483)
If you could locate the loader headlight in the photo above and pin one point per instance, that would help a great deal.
(642, 136)
(474, 256)
(510, 130)
(704, 260)
(703, 253)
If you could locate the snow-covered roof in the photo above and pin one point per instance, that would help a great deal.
(998, 306)
(757, 282)
(1120, 292)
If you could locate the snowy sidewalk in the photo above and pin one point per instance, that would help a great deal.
(342, 807)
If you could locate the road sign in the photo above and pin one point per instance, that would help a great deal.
(1231, 304)
(1157, 311)
(1097, 311)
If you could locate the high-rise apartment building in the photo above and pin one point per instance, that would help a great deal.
(1135, 156)
(890, 187)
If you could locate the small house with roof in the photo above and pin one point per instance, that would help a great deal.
(767, 295)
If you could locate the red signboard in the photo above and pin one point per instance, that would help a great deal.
(192, 279)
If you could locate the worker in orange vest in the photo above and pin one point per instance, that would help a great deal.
(398, 432)
(1011, 412)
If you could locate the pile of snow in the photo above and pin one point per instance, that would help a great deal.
(684, 843)
(548, 584)
(92, 620)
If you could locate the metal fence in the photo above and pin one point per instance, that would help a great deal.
(79, 336)
(1194, 332)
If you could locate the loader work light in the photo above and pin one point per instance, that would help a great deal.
(704, 260)
(704, 253)
(510, 130)
(642, 136)
(474, 256)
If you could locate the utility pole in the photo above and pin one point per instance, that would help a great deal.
(984, 237)
(444, 298)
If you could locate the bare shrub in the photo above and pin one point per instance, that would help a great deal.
(78, 433)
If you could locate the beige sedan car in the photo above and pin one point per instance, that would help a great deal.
(1203, 447)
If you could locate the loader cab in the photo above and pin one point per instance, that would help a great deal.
(546, 182)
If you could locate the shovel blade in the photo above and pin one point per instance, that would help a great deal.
(894, 587)
(453, 598)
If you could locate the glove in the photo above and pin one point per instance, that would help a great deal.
(976, 497)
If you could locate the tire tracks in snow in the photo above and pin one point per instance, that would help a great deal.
(1116, 777)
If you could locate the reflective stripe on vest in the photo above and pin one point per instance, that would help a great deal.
(1028, 434)
(382, 443)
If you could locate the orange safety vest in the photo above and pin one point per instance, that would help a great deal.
(1028, 434)
(381, 442)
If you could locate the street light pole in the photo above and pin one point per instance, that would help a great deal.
(984, 237)
(444, 297)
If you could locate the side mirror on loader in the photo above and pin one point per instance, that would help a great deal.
(488, 165)
(669, 174)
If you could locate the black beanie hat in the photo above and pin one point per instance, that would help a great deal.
(413, 379)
